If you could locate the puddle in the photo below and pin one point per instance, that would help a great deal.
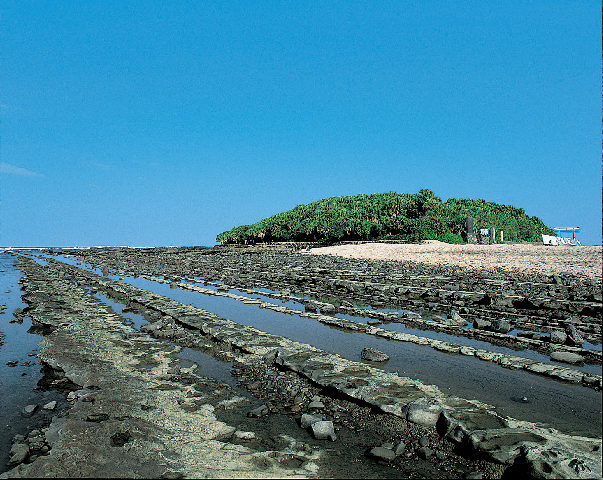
(136, 319)
(208, 365)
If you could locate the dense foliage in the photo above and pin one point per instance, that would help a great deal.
(412, 217)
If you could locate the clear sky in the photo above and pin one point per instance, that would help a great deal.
(164, 123)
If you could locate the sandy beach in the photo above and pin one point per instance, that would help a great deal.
(523, 257)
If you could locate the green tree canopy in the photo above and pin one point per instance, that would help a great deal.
(412, 217)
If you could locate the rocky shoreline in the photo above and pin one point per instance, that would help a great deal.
(395, 426)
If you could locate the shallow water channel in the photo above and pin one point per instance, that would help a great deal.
(18, 383)
(569, 408)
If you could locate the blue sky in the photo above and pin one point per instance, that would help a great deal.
(165, 123)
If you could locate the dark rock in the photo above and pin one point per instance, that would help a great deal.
(423, 441)
(424, 453)
(97, 417)
(119, 439)
(373, 355)
(12, 363)
(501, 326)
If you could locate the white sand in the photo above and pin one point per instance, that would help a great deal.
(524, 257)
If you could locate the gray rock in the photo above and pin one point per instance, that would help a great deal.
(316, 405)
(97, 417)
(258, 412)
(307, 420)
(501, 326)
(423, 441)
(573, 335)
(389, 446)
(424, 412)
(50, 405)
(400, 448)
(29, 410)
(381, 453)
(474, 476)
(481, 324)
(324, 430)
(558, 337)
(18, 453)
(424, 453)
(567, 357)
(373, 355)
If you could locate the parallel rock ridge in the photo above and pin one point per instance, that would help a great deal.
(471, 424)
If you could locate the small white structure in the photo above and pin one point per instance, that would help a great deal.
(552, 240)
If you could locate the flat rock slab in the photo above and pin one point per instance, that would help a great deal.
(567, 357)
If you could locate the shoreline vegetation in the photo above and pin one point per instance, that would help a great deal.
(389, 216)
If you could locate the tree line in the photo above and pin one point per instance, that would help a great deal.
(383, 216)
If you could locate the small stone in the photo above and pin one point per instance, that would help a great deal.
(244, 435)
(12, 363)
(558, 337)
(381, 453)
(423, 441)
(481, 324)
(258, 412)
(50, 405)
(400, 448)
(501, 326)
(474, 476)
(373, 355)
(172, 474)
(524, 399)
(316, 405)
(424, 453)
(29, 410)
(324, 430)
(388, 445)
(97, 417)
(19, 453)
(308, 420)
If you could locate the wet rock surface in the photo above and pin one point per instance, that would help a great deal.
(431, 449)
(129, 397)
